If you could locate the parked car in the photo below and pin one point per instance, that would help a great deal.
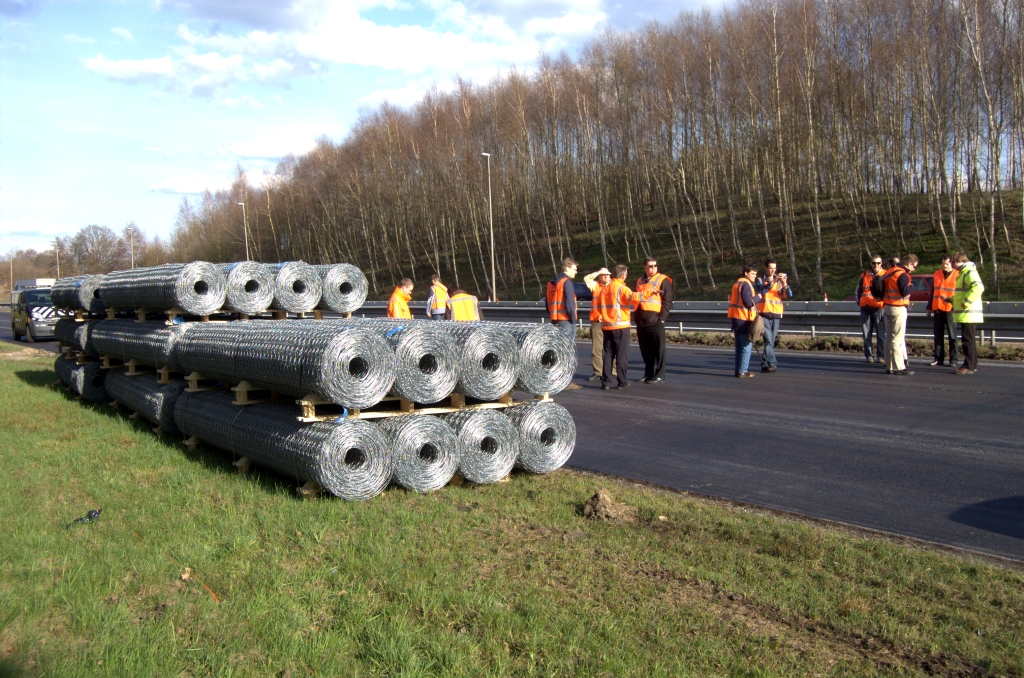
(922, 282)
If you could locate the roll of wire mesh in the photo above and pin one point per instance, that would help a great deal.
(197, 288)
(344, 364)
(547, 357)
(297, 286)
(425, 451)
(344, 287)
(78, 293)
(143, 393)
(488, 444)
(86, 380)
(65, 368)
(77, 335)
(547, 435)
(250, 287)
(150, 343)
(349, 458)
(427, 360)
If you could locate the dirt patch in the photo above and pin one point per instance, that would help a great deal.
(602, 507)
(26, 354)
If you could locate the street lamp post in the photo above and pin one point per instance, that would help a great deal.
(56, 250)
(490, 210)
(245, 232)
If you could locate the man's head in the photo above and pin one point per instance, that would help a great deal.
(750, 272)
(435, 278)
(604, 276)
(620, 271)
(959, 259)
(569, 266)
(947, 264)
(650, 266)
(876, 264)
(454, 291)
(910, 262)
(406, 284)
(893, 261)
(770, 266)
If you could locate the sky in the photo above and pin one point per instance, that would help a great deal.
(114, 111)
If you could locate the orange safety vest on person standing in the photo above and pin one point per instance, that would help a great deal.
(867, 300)
(614, 302)
(653, 284)
(943, 289)
(771, 301)
(440, 302)
(398, 305)
(556, 299)
(464, 307)
(736, 308)
(892, 288)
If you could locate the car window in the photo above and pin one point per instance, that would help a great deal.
(37, 298)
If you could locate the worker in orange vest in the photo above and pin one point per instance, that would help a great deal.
(871, 321)
(398, 305)
(896, 301)
(940, 307)
(593, 284)
(462, 306)
(614, 302)
(650, 320)
(561, 299)
(742, 311)
(437, 302)
(773, 288)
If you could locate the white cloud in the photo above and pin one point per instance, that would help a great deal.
(32, 233)
(123, 33)
(72, 39)
(130, 70)
(189, 185)
(275, 146)
(407, 95)
(570, 23)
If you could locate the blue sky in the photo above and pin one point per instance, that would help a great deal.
(112, 112)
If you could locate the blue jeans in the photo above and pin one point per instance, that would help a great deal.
(743, 348)
(771, 336)
(871, 320)
(568, 327)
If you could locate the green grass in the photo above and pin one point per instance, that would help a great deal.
(505, 579)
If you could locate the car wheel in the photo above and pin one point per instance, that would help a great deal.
(28, 335)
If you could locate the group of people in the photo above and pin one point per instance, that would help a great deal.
(956, 299)
(755, 311)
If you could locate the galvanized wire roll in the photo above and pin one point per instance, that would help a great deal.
(86, 380)
(425, 451)
(349, 458)
(65, 370)
(488, 444)
(427, 366)
(197, 288)
(77, 335)
(547, 357)
(344, 287)
(341, 363)
(144, 394)
(250, 286)
(150, 343)
(297, 286)
(79, 293)
(547, 435)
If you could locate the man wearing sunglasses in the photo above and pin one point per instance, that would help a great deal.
(650, 319)
(871, 321)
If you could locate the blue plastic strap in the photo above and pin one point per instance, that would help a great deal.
(390, 333)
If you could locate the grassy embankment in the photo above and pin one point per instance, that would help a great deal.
(505, 579)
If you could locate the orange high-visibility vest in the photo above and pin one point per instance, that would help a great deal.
(942, 290)
(736, 308)
(440, 298)
(398, 305)
(464, 307)
(595, 312)
(772, 299)
(892, 288)
(556, 300)
(867, 300)
(614, 303)
(654, 286)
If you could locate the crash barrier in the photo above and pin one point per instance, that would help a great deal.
(345, 406)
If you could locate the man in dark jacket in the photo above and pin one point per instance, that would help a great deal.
(561, 299)
(650, 318)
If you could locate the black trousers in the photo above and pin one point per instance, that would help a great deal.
(616, 347)
(943, 327)
(652, 347)
(969, 343)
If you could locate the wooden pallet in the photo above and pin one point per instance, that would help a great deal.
(197, 383)
(109, 363)
(134, 368)
(167, 375)
(315, 408)
(247, 394)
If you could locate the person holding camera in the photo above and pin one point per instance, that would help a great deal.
(773, 288)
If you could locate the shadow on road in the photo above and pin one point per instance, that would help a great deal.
(1002, 516)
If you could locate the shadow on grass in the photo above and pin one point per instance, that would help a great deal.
(9, 669)
(212, 458)
(1002, 516)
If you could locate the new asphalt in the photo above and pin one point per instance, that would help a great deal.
(933, 456)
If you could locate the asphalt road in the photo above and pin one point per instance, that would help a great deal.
(6, 335)
(933, 456)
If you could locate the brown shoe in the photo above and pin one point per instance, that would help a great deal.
(962, 370)
(746, 375)
(572, 387)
